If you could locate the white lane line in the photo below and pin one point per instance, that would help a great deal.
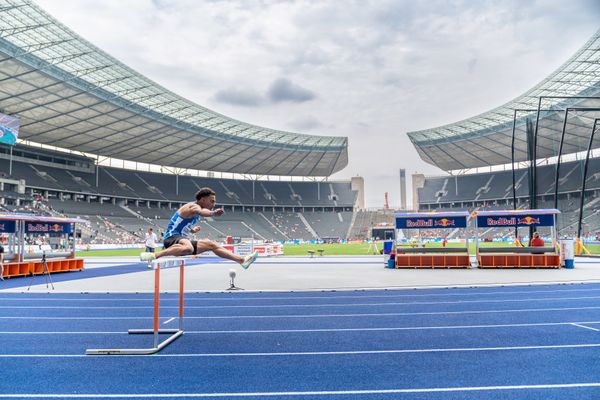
(190, 297)
(328, 353)
(310, 393)
(65, 333)
(278, 306)
(402, 328)
(586, 327)
(325, 330)
(282, 316)
(169, 320)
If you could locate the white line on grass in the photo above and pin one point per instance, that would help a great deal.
(310, 393)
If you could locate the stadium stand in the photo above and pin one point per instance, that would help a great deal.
(493, 190)
(124, 203)
(364, 220)
(71, 95)
(497, 186)
(552, 120)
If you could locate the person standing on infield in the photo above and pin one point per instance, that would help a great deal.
(177, 241)
(151, 240)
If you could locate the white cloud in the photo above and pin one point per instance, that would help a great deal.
(282, 90)
(375, 69)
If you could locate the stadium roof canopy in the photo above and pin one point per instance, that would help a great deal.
(485, 139)
(70, 94)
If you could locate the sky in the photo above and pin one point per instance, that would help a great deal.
(367, 70)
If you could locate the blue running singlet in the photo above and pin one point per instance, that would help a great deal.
(180, 226)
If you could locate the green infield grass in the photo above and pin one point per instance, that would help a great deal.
(363, 248)
(334, 249)
(110, 253)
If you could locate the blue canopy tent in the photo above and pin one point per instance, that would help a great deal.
(20, 262)
(517, 256)
(433, 257)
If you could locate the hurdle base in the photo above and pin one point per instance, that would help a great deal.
(175, 333)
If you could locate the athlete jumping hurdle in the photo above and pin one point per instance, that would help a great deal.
(181, 225)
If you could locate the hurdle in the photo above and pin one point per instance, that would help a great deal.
(157, 265)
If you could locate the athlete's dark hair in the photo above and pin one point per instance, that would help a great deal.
(204, 192)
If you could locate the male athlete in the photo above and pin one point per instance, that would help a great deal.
(177, 241)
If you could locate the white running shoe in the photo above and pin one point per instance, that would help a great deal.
(147, 256)
(249, 260)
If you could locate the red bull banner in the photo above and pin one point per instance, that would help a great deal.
(8, 226)
(47, 227)
(491, 221)
(431, 222)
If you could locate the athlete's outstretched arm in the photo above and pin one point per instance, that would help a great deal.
(205, 212)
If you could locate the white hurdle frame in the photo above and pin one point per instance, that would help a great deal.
(175, 333)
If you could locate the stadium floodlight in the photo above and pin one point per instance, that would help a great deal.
(585, 171)
(560, 148)
(535, 136)
(533, 171)
(512, 149)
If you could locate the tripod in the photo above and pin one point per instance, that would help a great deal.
(373, 247)
(45, 272)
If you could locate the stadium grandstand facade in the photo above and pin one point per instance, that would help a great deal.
(545, 136)
(485, 139)
(72, 95)
(79, 107)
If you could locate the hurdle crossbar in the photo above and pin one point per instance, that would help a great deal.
(174, 333)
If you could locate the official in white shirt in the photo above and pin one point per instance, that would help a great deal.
(151, 240)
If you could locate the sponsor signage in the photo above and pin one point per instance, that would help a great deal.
(514, 220)
(243, 249)
(47, 227)
(431, 222)
(8, 226)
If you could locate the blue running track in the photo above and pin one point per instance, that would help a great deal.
(519, 342)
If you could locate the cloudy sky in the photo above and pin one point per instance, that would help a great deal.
(368, 70)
